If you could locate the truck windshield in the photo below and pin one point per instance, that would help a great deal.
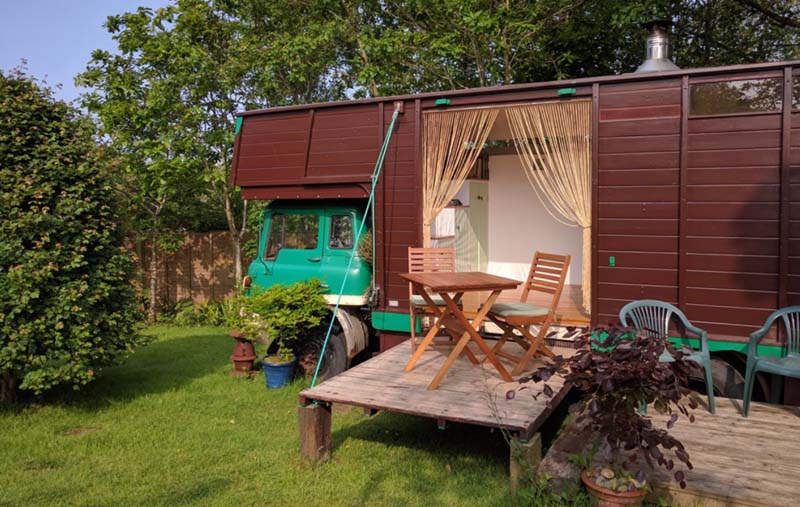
(297, 232)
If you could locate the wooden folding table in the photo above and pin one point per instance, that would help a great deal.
(452, 318)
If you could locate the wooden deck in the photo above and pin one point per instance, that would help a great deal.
(468, 394)
(753, 461)
(471, 394)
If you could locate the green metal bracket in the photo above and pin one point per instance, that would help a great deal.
(612, 261)
(566, 92)
(442, 102)
(239, 121)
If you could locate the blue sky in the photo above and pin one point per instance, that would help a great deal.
(57, 37)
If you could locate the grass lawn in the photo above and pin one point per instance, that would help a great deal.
(170, 427)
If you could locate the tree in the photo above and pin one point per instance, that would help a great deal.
(410, 46)
(169, 101)
(139, 98)
(67, 306)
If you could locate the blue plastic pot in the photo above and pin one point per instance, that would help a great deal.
(277, 374)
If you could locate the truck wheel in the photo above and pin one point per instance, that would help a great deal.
(335, 360)
(728, 382)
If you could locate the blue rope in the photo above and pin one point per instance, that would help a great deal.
(376, 173)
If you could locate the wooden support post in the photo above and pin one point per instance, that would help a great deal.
(525, 458)
(314, 422)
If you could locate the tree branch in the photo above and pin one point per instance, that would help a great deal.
(774, 16)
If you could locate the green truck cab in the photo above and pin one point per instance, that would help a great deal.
(300, 240)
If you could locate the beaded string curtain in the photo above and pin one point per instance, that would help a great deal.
(554, 143)
(451, 142)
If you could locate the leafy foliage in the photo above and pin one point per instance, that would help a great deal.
(67, 306)
(288, 314)
(619, 371)
(187, 313)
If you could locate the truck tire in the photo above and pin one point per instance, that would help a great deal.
(728, 381)
(335, 360)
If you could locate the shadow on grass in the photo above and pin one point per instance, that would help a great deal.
(457, 449)
(402, 430)
(175, 358)
(188, 494)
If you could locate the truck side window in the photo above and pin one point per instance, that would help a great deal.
(298, 232)
(341, 231)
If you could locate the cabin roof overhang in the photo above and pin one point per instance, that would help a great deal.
(492, 90)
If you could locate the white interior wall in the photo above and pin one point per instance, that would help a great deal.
(519, 224)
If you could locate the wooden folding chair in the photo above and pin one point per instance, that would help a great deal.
(427, 260)
(548, 273)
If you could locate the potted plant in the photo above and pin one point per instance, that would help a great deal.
(619, 372)
(244, 331)
(289, 314)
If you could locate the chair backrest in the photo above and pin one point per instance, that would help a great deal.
(790, 316)
(651, 317)
(548, 274)
(430, 260)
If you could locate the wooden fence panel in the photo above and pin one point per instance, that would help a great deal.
(200, 270)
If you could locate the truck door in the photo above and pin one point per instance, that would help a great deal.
(293, 248)
(339, 239)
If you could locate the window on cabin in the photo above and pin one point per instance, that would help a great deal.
(796, 92)
(741, 96)
(341, 231)
(297, 232)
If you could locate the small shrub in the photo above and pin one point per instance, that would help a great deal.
(67, 304)
(540, 494)
(619, 370)
(187, 313)
(364, 248)
(288, 314)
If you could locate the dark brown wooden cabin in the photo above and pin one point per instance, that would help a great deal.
(697, 197)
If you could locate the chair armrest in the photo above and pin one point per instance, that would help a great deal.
(757, 336)
(701, 334)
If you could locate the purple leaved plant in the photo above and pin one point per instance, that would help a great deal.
(618, 369)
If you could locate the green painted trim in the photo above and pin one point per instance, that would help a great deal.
(442, 102)
(389, 321)
(722, 346)
(239, 121)
(563, 92)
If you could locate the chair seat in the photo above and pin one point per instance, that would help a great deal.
(507, 310)
(788, 366)
(696, 356)
(417, 300)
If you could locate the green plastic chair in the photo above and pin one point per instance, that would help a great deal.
(651, 318)
(787, 365)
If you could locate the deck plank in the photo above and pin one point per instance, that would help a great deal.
(753, 461)
(469, 393)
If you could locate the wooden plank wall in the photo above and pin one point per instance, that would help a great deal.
(272, 149)
(343, 144)
(730, 260)
(693, 207)
(398, 205)
(638, 196)
(793, 268)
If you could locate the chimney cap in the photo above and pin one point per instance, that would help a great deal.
(657, 23)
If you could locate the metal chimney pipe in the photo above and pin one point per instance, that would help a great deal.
(657, 56)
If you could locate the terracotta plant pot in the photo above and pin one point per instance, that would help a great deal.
(243, 355)
(609, 498)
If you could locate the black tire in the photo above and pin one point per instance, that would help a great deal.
(335, 360)
(728, 381)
